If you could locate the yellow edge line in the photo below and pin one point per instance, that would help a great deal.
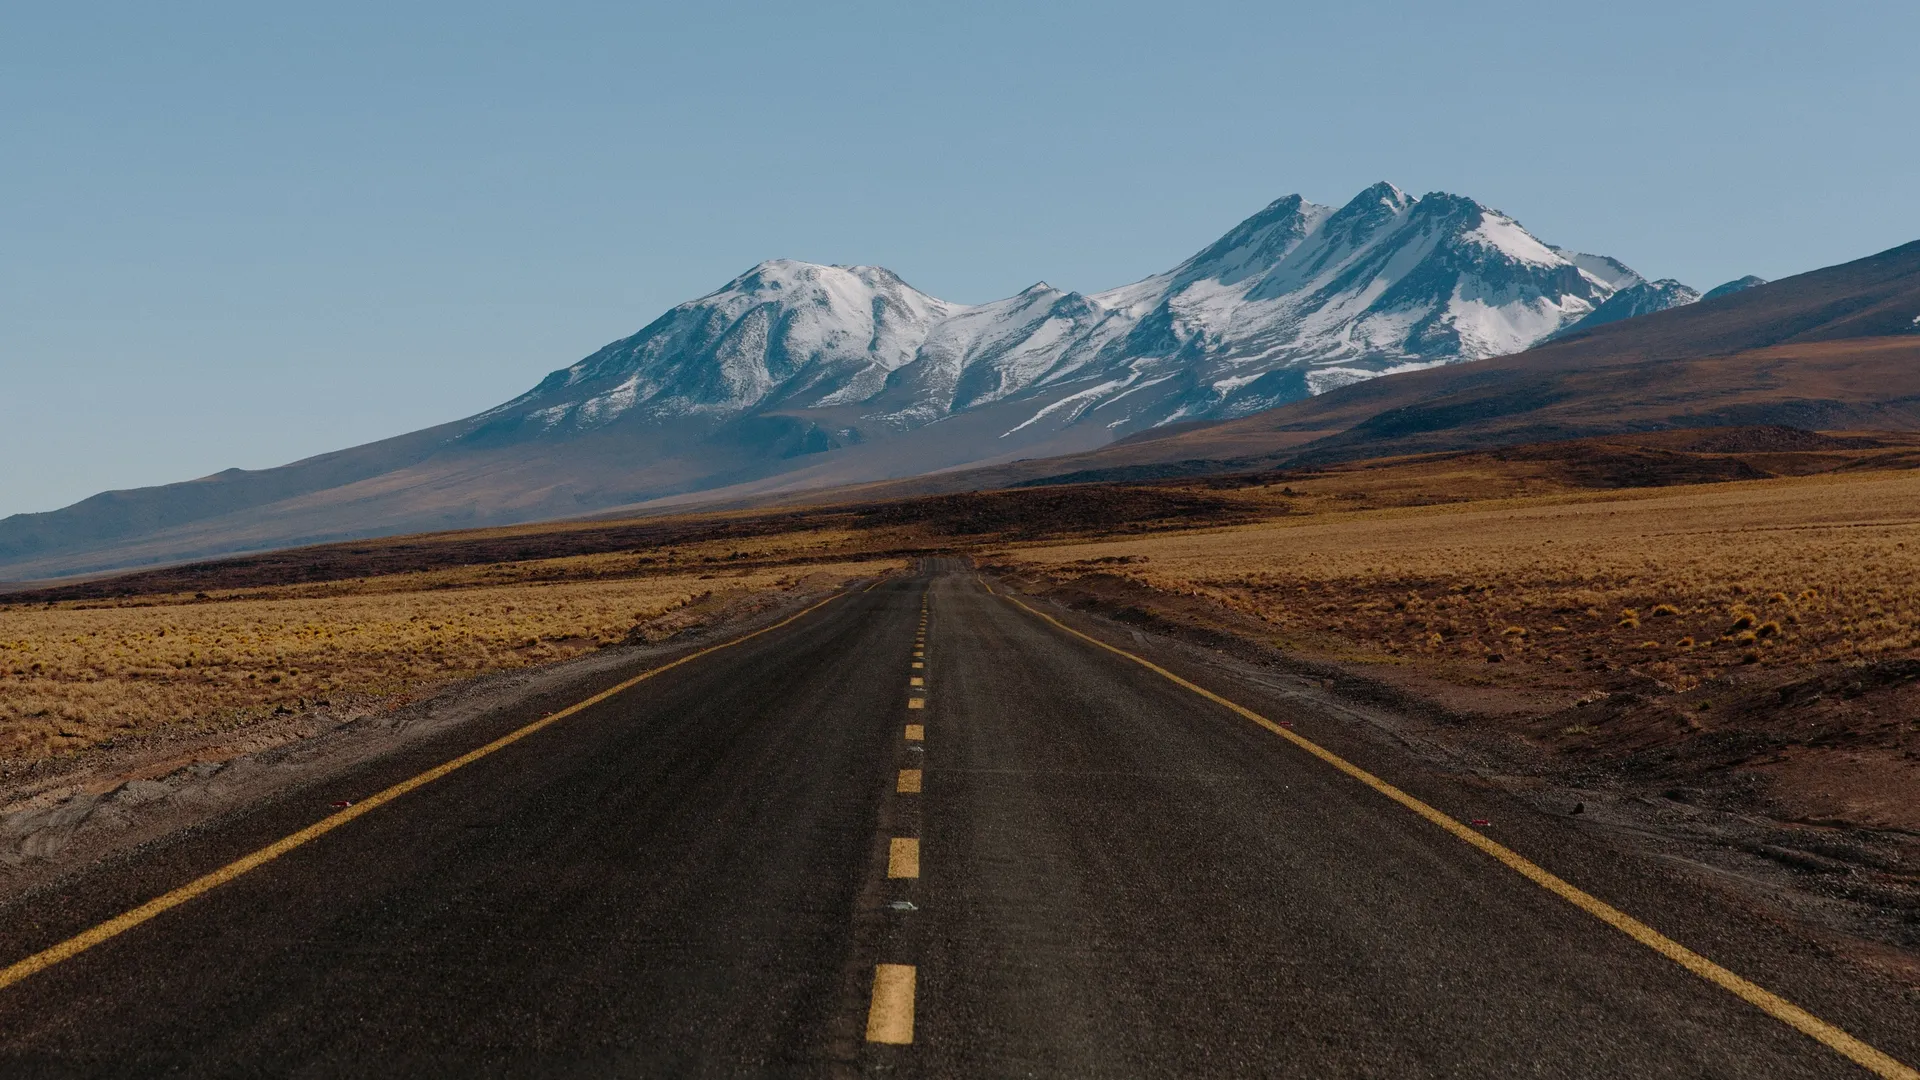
(1752, 993)
(120, 924)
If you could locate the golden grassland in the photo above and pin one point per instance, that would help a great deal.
(77, 675)
(1682, 583)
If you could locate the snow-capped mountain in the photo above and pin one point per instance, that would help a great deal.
(784, 332)
(1293, 301)
(1616, 274)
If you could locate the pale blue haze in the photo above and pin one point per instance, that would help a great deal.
(235, 236)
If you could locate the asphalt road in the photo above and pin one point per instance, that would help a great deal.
(727, 871)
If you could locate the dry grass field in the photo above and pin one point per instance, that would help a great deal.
(1682, 582)
(75, 675)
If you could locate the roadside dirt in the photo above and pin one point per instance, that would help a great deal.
(1793, 791)
(58, 817)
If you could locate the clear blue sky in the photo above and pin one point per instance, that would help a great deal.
(235, 234)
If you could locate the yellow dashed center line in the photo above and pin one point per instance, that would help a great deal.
(890, 1017)
(1875, 1061)
(903, 857)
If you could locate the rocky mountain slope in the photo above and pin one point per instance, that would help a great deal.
(797, 375)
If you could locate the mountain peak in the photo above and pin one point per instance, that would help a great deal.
(1382, 193)
(1734, 286)
(1365, 214)
(1605, 269)
(1255, 244)
(789, 273)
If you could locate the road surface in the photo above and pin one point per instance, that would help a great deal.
(769, 861)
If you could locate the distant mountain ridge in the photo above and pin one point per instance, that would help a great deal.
(1294, 300)
(797, 375)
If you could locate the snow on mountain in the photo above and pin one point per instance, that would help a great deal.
(1610, 271)
(783, 330)
(1295, 300)
(1303, 298)
(981, 354)
(1643, 299)
(1734, 286)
